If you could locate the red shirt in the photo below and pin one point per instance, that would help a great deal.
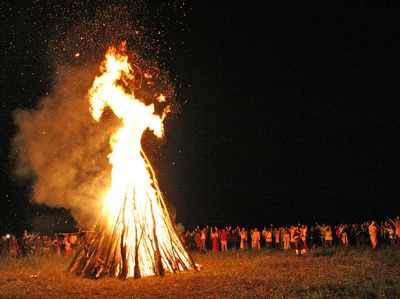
(224, 235)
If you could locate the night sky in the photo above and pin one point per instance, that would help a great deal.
(285, 113)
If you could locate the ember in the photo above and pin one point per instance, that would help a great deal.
(134, 236)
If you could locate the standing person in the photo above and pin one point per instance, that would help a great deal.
(224, 238)
(314, 237)
(57, 246)
(373, 234)
(248, 245)
(255, 238)
(243, 238)
(292, 241)
(68, 248)
(268, 238)
(389, 233)
(46, 245)
(392, 235)
(197, 238)
(328, 236)
(190, 238)
(214, 237)
(203, 238)
(271, 229)
(344, 234)
(286, 239)
(29, 245)
(277, 237)
(73, 239)
(23, 245)
(13, 247)
(38, 243)
(67, 245)
(66, 242)
(381, 235)
(363, 235)
(353, 234)
(263, 242)
(297, 241)
(322, 230)
(4, 246)
(303, 235)
(336, 236)
(396, 224)
(234, 239)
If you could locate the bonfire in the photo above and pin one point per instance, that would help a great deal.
(134, 235)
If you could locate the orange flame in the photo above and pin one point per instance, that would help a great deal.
(134, 205)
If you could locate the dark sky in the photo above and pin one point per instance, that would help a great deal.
(288, 113)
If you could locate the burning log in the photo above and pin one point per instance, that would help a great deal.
(134, 236)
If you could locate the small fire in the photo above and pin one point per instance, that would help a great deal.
(135, 236)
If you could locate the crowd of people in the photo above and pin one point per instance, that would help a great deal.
(30, 244)
(298, 237)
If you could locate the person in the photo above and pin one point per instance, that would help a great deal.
(13, 247)
(46, 245)
(23, 244)
(353, 234)
(292, 241)
(360, 235)
(390, 232)
(197, 239)
(29, 245)
(277, 237)
(343, 232)
(396, 224)
(73, 239)
(214, 237)
(322, 232)
(38, 243)
(263, 242)
(233, 239)
(286, 239)
(381, 235)
(203, 239)
(303, 235)
(68, 248)
(243, 238)
(328, 235)
(297, 241)
(268, 238)
(255, 238)
(64, 242)
(315, 237)
(373, 234)
(57, 246)
(4, 246)
(189, 240)
(224, 238)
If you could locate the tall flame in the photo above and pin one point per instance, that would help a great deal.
(134, 210)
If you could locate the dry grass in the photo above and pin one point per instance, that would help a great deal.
(333, 273)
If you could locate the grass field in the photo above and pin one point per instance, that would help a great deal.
(322, 273)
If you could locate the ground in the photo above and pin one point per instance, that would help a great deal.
(337, 272)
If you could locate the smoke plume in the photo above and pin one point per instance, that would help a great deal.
(58, 146)
(64, 150)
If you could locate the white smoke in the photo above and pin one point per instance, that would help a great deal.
(63, 150)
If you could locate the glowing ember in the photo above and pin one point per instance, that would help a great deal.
(134, 235)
